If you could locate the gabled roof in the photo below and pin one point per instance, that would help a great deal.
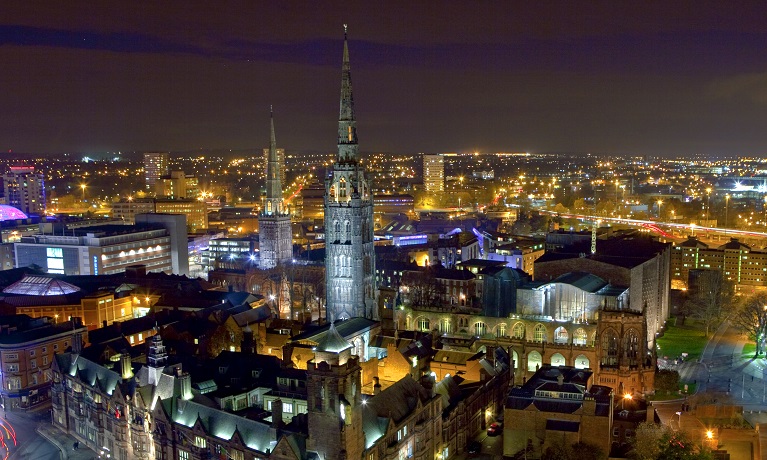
(346, 328)
(88, 372)
(393, 404)
(222, 425)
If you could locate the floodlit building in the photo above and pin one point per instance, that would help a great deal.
(276, 237)
(349, 252)
(177, 184)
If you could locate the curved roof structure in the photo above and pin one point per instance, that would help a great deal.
(333, 342)
(10, 213)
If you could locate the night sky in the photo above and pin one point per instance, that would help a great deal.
(615, 77)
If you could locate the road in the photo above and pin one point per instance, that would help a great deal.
(29, 444)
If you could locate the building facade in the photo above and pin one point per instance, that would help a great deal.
(275, 234)
(433, 173)
(155, 166)
(26, 356)
(739, 263)
(24, 189)
(157, 241)
(349, 252)
(177, 184)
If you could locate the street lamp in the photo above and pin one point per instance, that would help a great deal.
(626, 397)
(82, 186)
(660, 202)
(726, 211)
(708, 202)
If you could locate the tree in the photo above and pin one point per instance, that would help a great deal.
(660, 442)
(605, 208)
(560, 209)
(751, 319)
(666, 379)
(710, 301)
(422, 288)
(579, 204)
(578, 451)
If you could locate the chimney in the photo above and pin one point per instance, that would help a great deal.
(126, 371)
(560, 379)
(589, 405)
(376, 386)
(276, 413)
(248, 344)
(183, 384)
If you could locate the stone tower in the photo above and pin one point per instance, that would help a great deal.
(275, 240)
(156, 359)
(349, 252)
(334, 400)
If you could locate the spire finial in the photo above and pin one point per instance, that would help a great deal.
(271, 110)
(346, 28)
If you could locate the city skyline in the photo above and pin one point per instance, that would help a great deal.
(656, 78)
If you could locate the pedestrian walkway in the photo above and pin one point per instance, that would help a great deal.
(65, 443)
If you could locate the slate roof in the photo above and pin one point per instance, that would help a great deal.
(735, 245)
(89, 372)
(573, 381)
(394, 403)
(255, 435)
(347, 328)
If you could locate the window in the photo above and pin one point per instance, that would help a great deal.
(539, 333)
(235, 454)
(200, 442)
(33, 363)
(287, 408)
(45, 349)
(423, 324)
(31, 352)
(11, 356)
(45, 360)
(56, 346)
(13, 368)
(519, 331)
(183, 455)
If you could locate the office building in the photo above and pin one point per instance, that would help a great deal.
(155, 166)
(433, 173)
(107, 249)
(24, 189)
(349, 252)
(177, 184)
(196, 211)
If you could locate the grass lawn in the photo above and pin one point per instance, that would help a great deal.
(682, 339)
(748, 350)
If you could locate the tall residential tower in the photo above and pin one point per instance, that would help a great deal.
(349, 252)
(275, 242)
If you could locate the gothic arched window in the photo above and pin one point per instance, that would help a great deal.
(609, 348)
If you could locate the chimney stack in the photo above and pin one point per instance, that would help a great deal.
(126, 370)
(276, 413)
(376, 386)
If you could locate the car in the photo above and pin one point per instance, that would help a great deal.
(494, 429)
(474, 447)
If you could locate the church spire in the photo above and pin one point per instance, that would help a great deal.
(273, 202)
(347, 125)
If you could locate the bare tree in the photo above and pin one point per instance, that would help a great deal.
(712, 300)
(751, 319)
(422, 288)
